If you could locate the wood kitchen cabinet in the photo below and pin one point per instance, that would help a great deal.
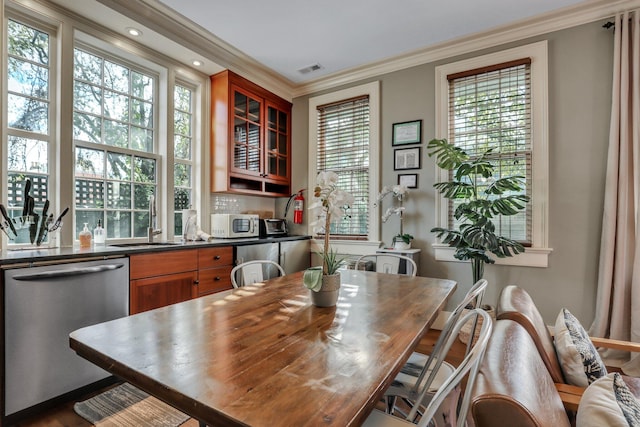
(214, 269)
(158, 279)
(251, 138)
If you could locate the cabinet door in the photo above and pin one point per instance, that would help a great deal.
(247, 133)
(215, 257)
(277, 143)
(159, 291)
(212, 280)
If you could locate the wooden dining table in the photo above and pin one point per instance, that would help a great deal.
(263, 355)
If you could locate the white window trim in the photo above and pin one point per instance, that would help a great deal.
(49, 27)
(373, 90)
(537, 255)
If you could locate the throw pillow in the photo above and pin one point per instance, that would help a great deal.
(579, 359)
(608, 402)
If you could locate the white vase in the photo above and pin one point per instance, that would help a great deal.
(401, 245)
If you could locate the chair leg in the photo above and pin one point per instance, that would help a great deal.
(390, 402)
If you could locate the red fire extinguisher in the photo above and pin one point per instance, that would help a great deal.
(298, 207)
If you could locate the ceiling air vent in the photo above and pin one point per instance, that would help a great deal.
(310, 69)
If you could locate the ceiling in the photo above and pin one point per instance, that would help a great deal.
(270, 41)
(289, 35)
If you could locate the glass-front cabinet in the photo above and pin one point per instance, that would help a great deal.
(277, 152)
(251, 138)
(247, 122)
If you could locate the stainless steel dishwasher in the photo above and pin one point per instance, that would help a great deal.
(42, 305)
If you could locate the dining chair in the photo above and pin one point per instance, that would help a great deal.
(389, 263)
(445, 407)
(405, 385)
(252, 272)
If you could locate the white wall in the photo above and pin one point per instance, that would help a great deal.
(580, 62)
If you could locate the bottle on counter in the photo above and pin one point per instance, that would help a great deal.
(99, 234)
(85, 237)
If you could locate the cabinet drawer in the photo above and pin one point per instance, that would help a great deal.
(213, 280)
(159, 263)
(215, 257)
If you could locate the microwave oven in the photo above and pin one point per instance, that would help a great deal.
(226, 226)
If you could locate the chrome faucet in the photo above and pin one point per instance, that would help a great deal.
(152, 230)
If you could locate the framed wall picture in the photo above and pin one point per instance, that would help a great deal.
(406, 158)
(407, 133)
(409, 180)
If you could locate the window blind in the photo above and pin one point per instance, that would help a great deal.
(491, 108)
(343, 147)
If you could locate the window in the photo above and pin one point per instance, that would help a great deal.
(182, 149)
(490, 108)
(113, 129)
(499, 101)
(127, 125)
(344, 139)
(29, 129)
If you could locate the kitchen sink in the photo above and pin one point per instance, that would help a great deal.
(143, 244)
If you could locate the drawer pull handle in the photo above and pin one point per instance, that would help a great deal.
(196, 282)
(217, 257)
(218, 278)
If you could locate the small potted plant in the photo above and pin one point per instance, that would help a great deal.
(402, 241)
(329, 204)
(398, 193)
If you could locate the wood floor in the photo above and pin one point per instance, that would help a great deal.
(64, 415)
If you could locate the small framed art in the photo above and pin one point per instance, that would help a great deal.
(407, 133)
(409, 180)
(406, 158)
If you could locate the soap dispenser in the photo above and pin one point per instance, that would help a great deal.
(99, 234)
(85, 237)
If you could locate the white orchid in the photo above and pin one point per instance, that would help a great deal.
(392, 211)
(399, 193)
(329, 204)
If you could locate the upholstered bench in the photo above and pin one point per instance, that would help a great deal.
(513, 386)
(516, 304)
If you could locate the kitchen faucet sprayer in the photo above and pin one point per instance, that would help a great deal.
(152, 230)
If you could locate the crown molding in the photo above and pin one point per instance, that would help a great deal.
(542, 24)
(165, 21)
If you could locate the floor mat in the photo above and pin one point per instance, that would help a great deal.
(125, 405)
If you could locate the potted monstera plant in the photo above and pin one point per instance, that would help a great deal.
(480, 197)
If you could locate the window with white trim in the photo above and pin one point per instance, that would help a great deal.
(113, 128)
(183, 101)
(29, 129)
(344, 139)
(499, 101)
(127, 126)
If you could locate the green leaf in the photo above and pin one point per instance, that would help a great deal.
(448, 156)
(312, 278)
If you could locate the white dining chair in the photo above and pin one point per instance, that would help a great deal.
(252, 272)
(444, 407)
(388, 263)
(405, 385)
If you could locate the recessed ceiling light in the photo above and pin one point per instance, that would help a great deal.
(197, 62)
(134, 32)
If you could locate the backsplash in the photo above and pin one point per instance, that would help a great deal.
(234, 203)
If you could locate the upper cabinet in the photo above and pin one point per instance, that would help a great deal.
(251, 138)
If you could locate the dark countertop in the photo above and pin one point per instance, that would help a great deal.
(45, 254)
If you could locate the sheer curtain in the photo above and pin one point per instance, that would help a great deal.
(618, 298)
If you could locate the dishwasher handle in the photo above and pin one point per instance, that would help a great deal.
(54, 274)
